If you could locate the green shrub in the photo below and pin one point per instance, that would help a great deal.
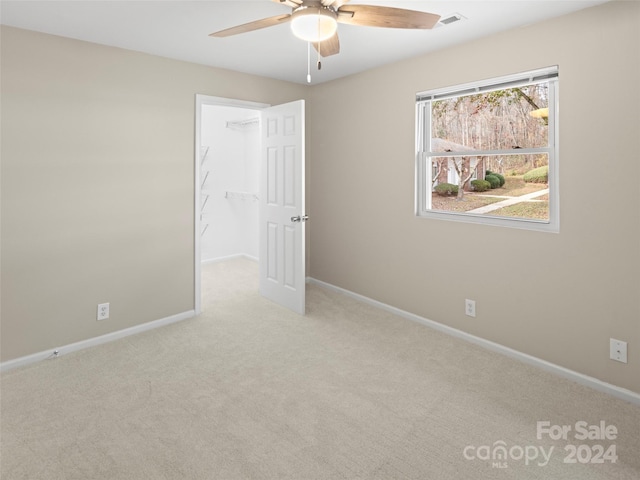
(493, 180)
(480, 185)
(445, 189)
(500, 177)
(537, 175)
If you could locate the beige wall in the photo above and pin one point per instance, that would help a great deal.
(97, 185)
(558, 297)
(97, 192)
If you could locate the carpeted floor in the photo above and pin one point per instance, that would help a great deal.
(248, 390)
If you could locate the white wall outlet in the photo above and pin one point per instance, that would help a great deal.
(470, 307)
(103, 311)
(618, 350)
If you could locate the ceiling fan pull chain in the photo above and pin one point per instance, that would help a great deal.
(319, 46)
(308, 62)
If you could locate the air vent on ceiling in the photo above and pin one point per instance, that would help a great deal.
(449, 19)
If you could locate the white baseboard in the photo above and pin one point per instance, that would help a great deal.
(580, 378)
(92, 342)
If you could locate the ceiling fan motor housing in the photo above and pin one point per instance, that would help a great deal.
(314, 23)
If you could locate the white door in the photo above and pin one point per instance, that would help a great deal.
(282, 213)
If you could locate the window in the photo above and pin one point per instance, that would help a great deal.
(487, 152)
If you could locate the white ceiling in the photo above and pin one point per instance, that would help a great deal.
(180, 29)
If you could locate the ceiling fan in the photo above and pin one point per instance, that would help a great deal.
(316, 21)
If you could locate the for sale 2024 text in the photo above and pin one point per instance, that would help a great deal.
(581, 431)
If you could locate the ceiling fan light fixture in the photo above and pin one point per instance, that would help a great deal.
(314, 24)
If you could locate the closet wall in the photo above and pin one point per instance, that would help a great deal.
(229, 176)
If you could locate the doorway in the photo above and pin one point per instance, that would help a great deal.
(274, 162)
(226, 182)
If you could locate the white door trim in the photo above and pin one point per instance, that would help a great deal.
(199, 102)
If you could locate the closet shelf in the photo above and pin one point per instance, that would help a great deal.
(203, 156)
(204, 180)
(244, 123)
(241, 195)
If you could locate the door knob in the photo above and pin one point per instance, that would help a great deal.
(299, 218)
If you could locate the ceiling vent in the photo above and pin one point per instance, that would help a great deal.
(449, 19)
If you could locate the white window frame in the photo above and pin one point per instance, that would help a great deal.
(424, 151)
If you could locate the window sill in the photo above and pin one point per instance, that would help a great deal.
(522, 224)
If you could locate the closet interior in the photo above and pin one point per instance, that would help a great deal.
(229, 182)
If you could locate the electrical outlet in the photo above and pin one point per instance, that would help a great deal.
(470, 307)
(103, 311)
(618, 350)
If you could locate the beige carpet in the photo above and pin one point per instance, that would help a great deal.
(249, 390)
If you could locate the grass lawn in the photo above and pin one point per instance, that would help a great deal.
(534, 210)
(469, 202)
(516, 186)
(513, 187)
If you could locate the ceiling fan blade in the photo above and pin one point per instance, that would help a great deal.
(289, 3)
(251, 26)
(374, 16)
(328, 47)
